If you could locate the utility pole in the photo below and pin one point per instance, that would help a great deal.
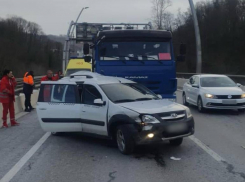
(198, 38)
(66, 47)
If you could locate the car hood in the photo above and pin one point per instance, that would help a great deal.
(152, 107)
(223, 90)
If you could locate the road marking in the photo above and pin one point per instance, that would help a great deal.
(12, 172)
(213, 154)
(180, 90)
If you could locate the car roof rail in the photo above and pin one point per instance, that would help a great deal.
(87, 76)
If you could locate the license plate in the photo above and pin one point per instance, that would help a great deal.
(172, 100)
(233, 102)
(177, 128)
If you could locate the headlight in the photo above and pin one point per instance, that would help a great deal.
(243, 96)
(210, 96)
(149, 119)
(188, 113)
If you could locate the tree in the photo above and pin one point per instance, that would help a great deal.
(159, 11)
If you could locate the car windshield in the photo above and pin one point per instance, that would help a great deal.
(217, 82)
(144, 51)
(71, 71)
(130, 92)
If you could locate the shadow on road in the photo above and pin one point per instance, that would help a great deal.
(159, 153)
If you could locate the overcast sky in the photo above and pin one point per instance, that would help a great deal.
(54, 15)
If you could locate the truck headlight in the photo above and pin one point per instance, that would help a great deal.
(210, 96)
(149, 119)
(243, 96)
(188, 113)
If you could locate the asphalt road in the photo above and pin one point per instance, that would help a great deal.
(74, 157)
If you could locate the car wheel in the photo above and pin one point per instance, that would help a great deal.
(200, 105)
(184, 100)
(125, 142)
(176, 142)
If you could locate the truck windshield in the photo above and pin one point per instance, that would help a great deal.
(131, 92)
(145, 51)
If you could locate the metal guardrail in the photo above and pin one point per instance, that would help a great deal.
(19, 87)
(236, 78)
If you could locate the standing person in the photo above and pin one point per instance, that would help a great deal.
(7, 97)
(59, 75)
(49, 77)
(47, 88)
(28, 84)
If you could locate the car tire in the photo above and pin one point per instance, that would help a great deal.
(184, 100)
(176, 142)
(124, 139)
(200, 105)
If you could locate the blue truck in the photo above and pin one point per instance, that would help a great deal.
(143, 55)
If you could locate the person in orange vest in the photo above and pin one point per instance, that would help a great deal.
(28, 84)
(7, 97)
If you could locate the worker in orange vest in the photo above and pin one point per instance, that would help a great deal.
(7, 97)
(28, 84)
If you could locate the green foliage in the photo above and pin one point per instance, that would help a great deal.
(23, 47)
(222, 28)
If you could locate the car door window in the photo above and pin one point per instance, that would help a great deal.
(197, 80)
(58, 94)
(90, 93)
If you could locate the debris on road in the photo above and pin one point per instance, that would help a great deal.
(175, 159)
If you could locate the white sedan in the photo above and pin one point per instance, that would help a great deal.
(213, 92)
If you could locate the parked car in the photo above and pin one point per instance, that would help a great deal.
(213, 92)
(112, 107)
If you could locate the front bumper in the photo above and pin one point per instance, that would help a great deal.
(222, 103)
(167, 130)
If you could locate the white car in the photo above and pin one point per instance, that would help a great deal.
(213, 92)
(111, 107)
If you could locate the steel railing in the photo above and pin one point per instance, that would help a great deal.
(19, 87)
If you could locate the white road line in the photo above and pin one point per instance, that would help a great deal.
(213, 154)
(12, 172)
(180, 90)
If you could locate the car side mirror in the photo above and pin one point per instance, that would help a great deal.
(99, 102)
(195, 86)
(160, 97)
(181, 58)
(182, 49)
(87, 59)
(239, 85)
(85, 48)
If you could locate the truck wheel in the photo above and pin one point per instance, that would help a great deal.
(184, 100)
(124, 140)
(176, 142)
(241, 110)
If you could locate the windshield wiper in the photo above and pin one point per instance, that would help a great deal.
(117, 57)
(124, 100)
(142, 99)
(146, 56)
(136, 58)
